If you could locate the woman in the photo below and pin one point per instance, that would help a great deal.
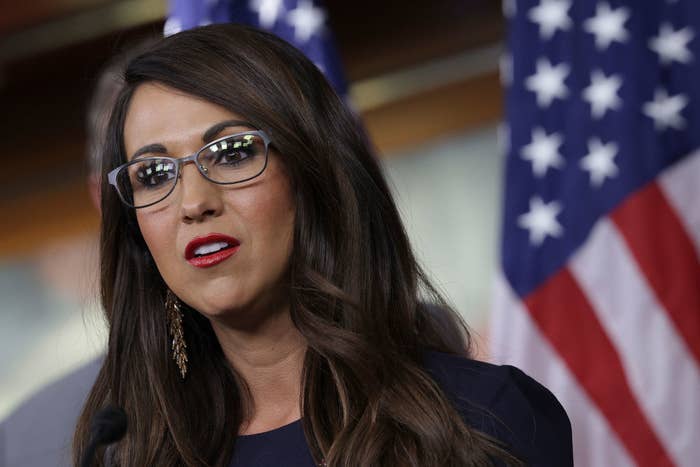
(263, 302)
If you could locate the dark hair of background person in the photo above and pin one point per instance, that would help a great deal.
(356, 291)
(110, 82)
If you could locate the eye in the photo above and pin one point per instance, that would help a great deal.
(231, 157)
(153, 173)
(233, 152)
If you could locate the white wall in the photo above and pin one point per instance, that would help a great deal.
(449, 193)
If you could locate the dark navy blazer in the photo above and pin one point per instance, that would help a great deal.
(501, 401)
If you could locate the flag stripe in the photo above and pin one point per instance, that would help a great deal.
(664, 252)
(517, 340)
(584, 346)
(636, 323)
(681, 187)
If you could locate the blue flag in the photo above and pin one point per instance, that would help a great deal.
(302, 23)
(600, 257)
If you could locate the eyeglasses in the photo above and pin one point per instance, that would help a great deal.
(143, 182)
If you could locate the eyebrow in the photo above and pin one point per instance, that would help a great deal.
(206, 137)
(150, 148)
(216, 129)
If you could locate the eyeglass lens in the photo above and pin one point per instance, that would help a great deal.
(230, 160)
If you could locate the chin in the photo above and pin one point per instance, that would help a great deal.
(215, 296)
(219, 306)
(244, 312)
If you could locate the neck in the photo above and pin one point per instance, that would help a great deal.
(270, 359)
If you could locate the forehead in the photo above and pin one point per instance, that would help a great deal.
(158, 114)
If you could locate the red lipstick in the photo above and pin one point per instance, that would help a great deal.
(209, 250)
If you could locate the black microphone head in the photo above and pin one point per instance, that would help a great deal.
(108, 425)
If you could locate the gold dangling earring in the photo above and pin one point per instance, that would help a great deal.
(179, 346)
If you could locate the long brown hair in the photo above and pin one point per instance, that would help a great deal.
(357, 294)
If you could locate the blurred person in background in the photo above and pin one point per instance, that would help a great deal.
(305, 341)
(38, 433)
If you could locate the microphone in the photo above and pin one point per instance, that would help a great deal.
(106, 427)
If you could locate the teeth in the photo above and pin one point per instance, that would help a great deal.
(210, 248)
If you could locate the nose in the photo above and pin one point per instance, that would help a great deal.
(200, 198)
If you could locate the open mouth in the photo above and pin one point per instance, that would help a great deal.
(210, 250)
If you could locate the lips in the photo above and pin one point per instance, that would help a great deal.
(210, 250)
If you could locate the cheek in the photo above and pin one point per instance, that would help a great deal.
(270, 216)
(282, 207)
(274, 215)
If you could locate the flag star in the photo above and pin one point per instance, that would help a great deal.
(672, 45)
(665, 110)
(541, 220)
(599, 161)
(602, 93)
(306, 19)
(543, 152)
(268, 11)
(608, 25)
(551, 15)
(172, 25)
(548, 82)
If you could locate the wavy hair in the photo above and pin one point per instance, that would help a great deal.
(356, 292)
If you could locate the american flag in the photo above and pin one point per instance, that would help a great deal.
(599, 291)
(302, 23)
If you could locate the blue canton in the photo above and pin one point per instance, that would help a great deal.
(601, 97)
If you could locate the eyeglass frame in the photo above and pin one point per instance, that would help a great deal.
(180, 161)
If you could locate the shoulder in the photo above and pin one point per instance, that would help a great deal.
(39, 432)
(507, 404)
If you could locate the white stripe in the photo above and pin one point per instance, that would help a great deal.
(681, 184)
(659, 368)
(516, 340)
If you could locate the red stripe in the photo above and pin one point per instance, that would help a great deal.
(566, 318)
(665, 253)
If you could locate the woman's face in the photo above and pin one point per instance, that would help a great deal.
(258, 214)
